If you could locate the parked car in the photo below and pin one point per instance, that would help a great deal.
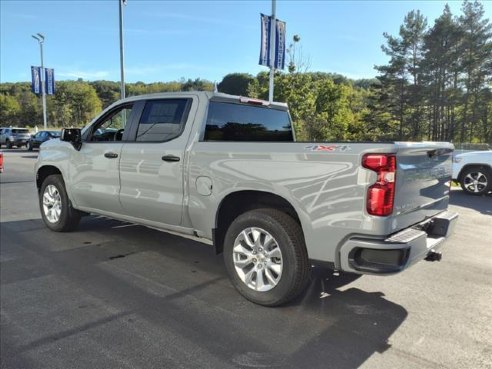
(1, 162)
(14, 137)
(473, 170)
(227, 169)
(40, 137)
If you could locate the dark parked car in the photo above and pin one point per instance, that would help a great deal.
(41, 137)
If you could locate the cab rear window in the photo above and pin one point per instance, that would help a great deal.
(241, 122)
(20, 130)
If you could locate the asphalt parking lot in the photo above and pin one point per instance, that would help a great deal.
(115, 295)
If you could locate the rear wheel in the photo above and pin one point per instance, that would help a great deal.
(476, 180)
(9, 144)
(56, 209)
(29, 146)
(265, 256)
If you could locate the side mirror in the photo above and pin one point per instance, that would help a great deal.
(72, 135)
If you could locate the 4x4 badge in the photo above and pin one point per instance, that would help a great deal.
(328, 148)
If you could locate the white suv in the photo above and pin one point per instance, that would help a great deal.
(473, 170)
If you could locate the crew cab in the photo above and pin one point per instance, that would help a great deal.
(228, 170)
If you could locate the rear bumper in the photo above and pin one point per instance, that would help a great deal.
(398, 251)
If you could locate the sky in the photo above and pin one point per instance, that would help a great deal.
(169, 40)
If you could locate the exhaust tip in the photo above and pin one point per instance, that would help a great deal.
(433, 256)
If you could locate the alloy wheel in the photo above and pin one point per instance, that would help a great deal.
(475, 182)
(52, 204)
(257, 259)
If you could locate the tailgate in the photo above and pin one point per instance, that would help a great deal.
(423, 178)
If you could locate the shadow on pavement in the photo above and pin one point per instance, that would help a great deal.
(180, 287)
(483, 204)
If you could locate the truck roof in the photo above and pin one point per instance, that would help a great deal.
(208, 95)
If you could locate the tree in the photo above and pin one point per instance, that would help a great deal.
(108, 92)
(476, 63)
(440, 75)
(299, 92)
(75, 104)
(9, 110)
(31, 110)
(237, 84)
(197, 85)
(393, 80)
(401, 91)
(297, 62)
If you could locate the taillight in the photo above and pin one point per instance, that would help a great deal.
(381, 195)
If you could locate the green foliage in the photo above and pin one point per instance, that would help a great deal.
(237, 84)
(437, 82)
(75, 103)
(9, 110)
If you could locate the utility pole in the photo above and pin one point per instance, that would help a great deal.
(40, 38)
(273, 31)
(122, 58)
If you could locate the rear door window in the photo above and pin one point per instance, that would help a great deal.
(163, 120)
(240, 122)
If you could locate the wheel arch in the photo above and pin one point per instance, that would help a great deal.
(45, 171)
(473, 165)
(237, 203)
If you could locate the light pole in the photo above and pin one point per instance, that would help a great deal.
(273, 31)
(122, 58)
(40, 38)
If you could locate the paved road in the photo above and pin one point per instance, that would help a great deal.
(113, 295)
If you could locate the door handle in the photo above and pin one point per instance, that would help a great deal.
(111, 155)
(170, 158)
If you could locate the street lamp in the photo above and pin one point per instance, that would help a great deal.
(40, 38)
(122, 66)
(273, 31)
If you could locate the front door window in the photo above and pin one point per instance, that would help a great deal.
(112, 127)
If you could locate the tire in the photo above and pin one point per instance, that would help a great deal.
(277, 273)
(9, 144)
(476, 180)
(29, 146)
(53, 196)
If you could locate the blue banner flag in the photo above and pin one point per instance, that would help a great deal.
(36, 79)
(50, 81)
(266, 25)
(265, 40)
(280, 45)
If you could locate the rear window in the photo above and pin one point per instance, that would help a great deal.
(20, 130)
(238, 122)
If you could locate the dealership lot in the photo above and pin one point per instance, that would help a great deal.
(115, 295)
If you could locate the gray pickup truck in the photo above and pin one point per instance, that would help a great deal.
(227, 169)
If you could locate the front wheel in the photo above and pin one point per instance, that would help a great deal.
(476, 180)
(56, 209)
(29, 146)
(265, 256)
